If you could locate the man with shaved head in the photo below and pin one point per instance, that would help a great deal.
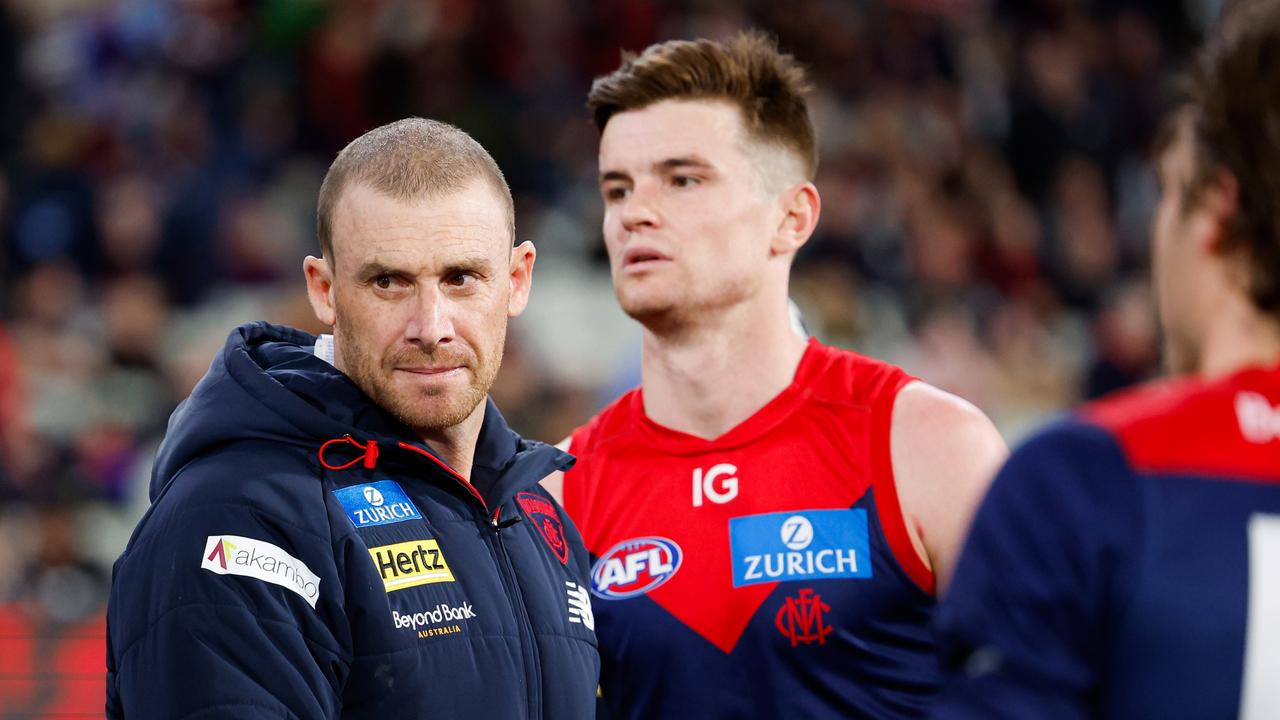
(343, 526)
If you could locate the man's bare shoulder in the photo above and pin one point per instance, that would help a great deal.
(922, 409)
(945, 452)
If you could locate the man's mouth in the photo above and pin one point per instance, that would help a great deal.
(431, 370)
(643, 255)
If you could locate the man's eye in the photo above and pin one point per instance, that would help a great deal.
(615, 193)
(682, 181)
(383, 282)
(461, 279)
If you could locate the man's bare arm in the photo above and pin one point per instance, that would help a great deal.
(945, 453)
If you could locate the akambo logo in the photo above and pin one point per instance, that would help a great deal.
(634, 567)
(237, 555)
(805, 545)
(430, 623)
(380, 503)
(409, 564)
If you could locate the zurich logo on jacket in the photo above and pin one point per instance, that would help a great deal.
(306, 556)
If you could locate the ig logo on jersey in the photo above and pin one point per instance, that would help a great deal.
(634, 567)
(719, 484)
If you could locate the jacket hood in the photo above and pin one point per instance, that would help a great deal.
(267, 384)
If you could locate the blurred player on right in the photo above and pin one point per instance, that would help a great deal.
(1126, 562)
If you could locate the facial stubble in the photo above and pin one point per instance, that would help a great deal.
(424, 410)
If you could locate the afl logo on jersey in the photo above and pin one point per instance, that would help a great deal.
(634, 567)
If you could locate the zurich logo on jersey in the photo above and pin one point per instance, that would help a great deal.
(803, 545)
(380, 503)
(634, 567)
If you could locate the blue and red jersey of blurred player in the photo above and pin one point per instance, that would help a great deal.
(1126, 564)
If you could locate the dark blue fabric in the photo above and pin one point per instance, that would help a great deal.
(240, 459)
(1087, 589)
(878, 662)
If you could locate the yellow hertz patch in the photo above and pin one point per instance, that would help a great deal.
(409, 564)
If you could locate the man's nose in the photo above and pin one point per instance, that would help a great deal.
(638, 209)
(431, 323)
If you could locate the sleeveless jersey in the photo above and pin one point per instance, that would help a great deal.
(1126, 564)
(766, 573)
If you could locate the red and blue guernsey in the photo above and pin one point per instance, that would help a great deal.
(766, 573)
(1126, 564)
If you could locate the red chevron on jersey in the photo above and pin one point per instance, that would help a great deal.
(655, 506)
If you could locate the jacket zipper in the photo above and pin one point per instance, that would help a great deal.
(528, 645)
(533, 665)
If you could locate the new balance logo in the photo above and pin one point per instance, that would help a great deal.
(1259, 419)
(580, 605)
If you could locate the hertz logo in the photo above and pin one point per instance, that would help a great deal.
(409, 564)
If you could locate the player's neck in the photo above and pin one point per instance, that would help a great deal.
(706, 380)
(1238, 336)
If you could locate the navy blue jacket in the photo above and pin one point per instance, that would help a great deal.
(305, 556)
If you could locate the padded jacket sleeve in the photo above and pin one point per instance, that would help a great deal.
(228, 607)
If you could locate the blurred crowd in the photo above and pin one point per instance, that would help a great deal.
(985, 178)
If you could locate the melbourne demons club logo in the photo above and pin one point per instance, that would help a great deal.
(800, 619)
(547, 520)
(634, 567)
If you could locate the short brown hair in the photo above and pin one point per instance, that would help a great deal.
(1232, 110)
(407, 159)
(768, 87)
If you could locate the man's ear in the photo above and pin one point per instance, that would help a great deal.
(319, 273)
(1221, 201)
(522, 257)
(801, 206)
